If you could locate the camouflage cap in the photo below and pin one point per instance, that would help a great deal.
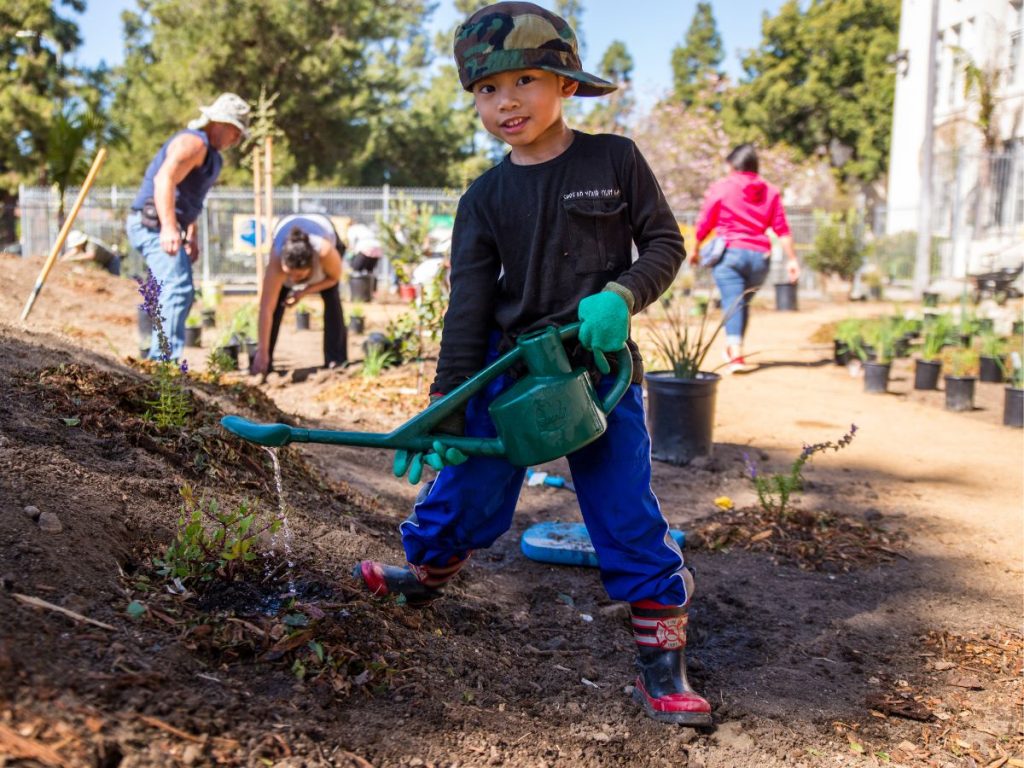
(514, 35)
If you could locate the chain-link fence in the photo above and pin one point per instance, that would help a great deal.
(226, 227)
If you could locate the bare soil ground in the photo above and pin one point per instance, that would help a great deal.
(880, 625)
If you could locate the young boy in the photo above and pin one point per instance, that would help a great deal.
(542, 238)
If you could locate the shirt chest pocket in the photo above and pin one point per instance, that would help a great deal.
(599, 236)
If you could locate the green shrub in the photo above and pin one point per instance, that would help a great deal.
(837, 250)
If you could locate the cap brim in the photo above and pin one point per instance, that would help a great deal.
(590, 85)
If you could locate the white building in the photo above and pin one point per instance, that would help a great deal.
(977, 190)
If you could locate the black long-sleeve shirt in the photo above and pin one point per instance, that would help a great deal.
(530, 241)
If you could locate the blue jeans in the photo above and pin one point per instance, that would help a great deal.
(469, 506)
(739, 271)
(176, 290)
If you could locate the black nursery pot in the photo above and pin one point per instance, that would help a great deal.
(680, 416)
(360, 287)
(302, 321)
(1013, 407)
(926, 374)
(960, 393)
(989, 369)
(357, 324)
(193, 336)
(209, 318)
(840, 352)
(930, 299)
(785, 297)
(876, 377)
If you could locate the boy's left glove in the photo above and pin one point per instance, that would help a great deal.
(605, 325)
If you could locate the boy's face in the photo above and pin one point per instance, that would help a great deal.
(523, 107)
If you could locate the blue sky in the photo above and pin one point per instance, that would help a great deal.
(649, 28)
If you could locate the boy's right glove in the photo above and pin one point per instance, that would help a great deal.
(605, 325)
(441, 454)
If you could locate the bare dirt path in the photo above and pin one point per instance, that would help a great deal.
(908, 654)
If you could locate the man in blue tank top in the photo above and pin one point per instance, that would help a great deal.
(162, 222)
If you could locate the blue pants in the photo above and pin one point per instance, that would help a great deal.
(738, 271)
(470, 505)
(175, 276)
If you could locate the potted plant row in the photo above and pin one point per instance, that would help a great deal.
(1013, 397)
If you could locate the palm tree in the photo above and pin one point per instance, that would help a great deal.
(73, 131)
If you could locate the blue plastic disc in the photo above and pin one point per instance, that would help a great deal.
(567, 544)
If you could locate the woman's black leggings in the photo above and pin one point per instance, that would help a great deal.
(335, 334)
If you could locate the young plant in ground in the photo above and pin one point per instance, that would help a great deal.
(378, 357)
(171, 406)
(211, 542)
(775, 490)
(431, 306)
(218, 362)
(357, 311)
(406, 342)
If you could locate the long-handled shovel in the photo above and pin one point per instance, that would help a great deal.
(63, 235)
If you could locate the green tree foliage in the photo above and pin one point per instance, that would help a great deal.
(819, 81)
(34, 41)
(837, 247)
(611, 113)
(352, 105)
(697, 61)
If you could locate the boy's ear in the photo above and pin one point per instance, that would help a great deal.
(569, 86)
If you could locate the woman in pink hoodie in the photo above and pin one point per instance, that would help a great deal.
(742, 207)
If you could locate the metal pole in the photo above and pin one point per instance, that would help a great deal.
(295, 198)
(205, 234)
(922, 260)
(268, 197)
(257, 221)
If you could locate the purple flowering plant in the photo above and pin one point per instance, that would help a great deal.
(774, 490)
(171, 406)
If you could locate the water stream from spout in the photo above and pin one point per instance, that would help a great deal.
(284, 532)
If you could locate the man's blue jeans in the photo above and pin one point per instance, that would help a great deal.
(739, 271)
(174, 274)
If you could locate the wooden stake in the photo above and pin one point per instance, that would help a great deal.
(38, 602)
(257, 221)
(63, 235)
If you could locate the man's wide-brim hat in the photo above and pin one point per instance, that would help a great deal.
(227, 108)
(508, 36)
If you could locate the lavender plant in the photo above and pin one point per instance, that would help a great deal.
(775, 490)
(171, 406)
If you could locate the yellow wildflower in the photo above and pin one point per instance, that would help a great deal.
(724, 502)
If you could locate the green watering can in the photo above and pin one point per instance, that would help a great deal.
(548, 413)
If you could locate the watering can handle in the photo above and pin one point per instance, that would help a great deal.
(624, 376)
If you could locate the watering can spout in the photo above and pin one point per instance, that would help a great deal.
(273, 435)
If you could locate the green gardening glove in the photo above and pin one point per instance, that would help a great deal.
(605, 325)
(440, 455)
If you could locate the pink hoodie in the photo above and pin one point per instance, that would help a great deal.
(742, 206)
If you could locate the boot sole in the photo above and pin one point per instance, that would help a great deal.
(690, 719)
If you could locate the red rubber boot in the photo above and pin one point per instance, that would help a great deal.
(661, 687)
(420, 584)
